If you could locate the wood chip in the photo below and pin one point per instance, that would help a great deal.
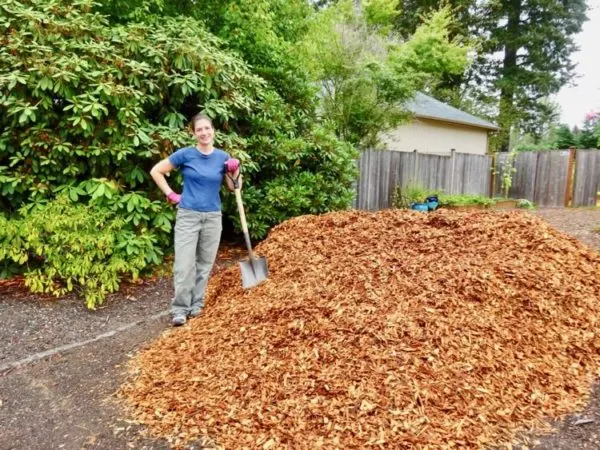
(583, 421)
(394, 329)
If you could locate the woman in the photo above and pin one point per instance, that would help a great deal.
(198, 224)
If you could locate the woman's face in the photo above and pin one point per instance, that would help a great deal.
(204, 132)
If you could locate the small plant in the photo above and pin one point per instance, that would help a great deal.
(506, 173)
(525, 204)
(405, 196)
(449, 200)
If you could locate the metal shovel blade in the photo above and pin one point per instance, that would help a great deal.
(253, 272)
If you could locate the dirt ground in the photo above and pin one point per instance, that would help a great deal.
(60, 364)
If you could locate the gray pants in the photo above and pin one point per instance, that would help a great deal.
(197, 236)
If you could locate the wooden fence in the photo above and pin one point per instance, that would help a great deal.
(381, 171)
(587, 177)
(553, 178)
(547, 178)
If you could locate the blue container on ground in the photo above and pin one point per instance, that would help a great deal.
(432, 202)
(420, 207)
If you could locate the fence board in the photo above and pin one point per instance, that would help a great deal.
(587, 177)
(457, 170)
(525, 176)
(405, 168)
(384, 195)
(551, 178)
(476, 173)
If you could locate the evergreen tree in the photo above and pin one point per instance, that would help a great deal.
(589, 135)
(535, 41)
(564, 137)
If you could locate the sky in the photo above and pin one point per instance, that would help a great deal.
(576, 101)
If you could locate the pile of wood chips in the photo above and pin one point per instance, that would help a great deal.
(394, 329)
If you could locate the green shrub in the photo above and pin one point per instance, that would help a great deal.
(405, 196)
(464, 200)
(74, 247)
(87, 107)
(525, 204)
(82, 99)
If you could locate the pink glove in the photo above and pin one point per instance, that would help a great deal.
(232, 164)
(174, 198)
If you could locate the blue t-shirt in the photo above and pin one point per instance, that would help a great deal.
(202, 178)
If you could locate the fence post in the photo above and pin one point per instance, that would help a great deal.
(415, 167)
(452, 169)
(570, 176)
(493, 176)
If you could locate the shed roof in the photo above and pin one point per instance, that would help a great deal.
(427, 107)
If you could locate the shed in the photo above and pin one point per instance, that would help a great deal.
(437, 127)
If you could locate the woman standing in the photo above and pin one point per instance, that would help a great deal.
(198, 224)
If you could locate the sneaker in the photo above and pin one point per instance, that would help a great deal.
(195, 312)
(178, 321)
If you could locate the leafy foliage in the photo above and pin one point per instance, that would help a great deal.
(589, 136)
(260, 32)
(523, 203)
(66, 246)
(507, 171)
(121, 104)
(82, 100)
(523, 56)
(464, 200)
(562, 137)
(88, 105)
(405, 196)
(366, 75)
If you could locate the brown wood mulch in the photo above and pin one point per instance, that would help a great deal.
(393, 329)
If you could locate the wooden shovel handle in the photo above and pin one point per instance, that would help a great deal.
(240, 205)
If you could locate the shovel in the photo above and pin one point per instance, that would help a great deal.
(255, 269)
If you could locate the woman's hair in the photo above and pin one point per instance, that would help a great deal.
(199, 117)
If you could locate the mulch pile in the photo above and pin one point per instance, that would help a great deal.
(393, 329)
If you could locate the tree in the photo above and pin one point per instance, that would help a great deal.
(462, 28)
(524, 50)
(535, 39)
(545, 123)
(412, 14)
(365, 74)
(564, 137)
(589, 135)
